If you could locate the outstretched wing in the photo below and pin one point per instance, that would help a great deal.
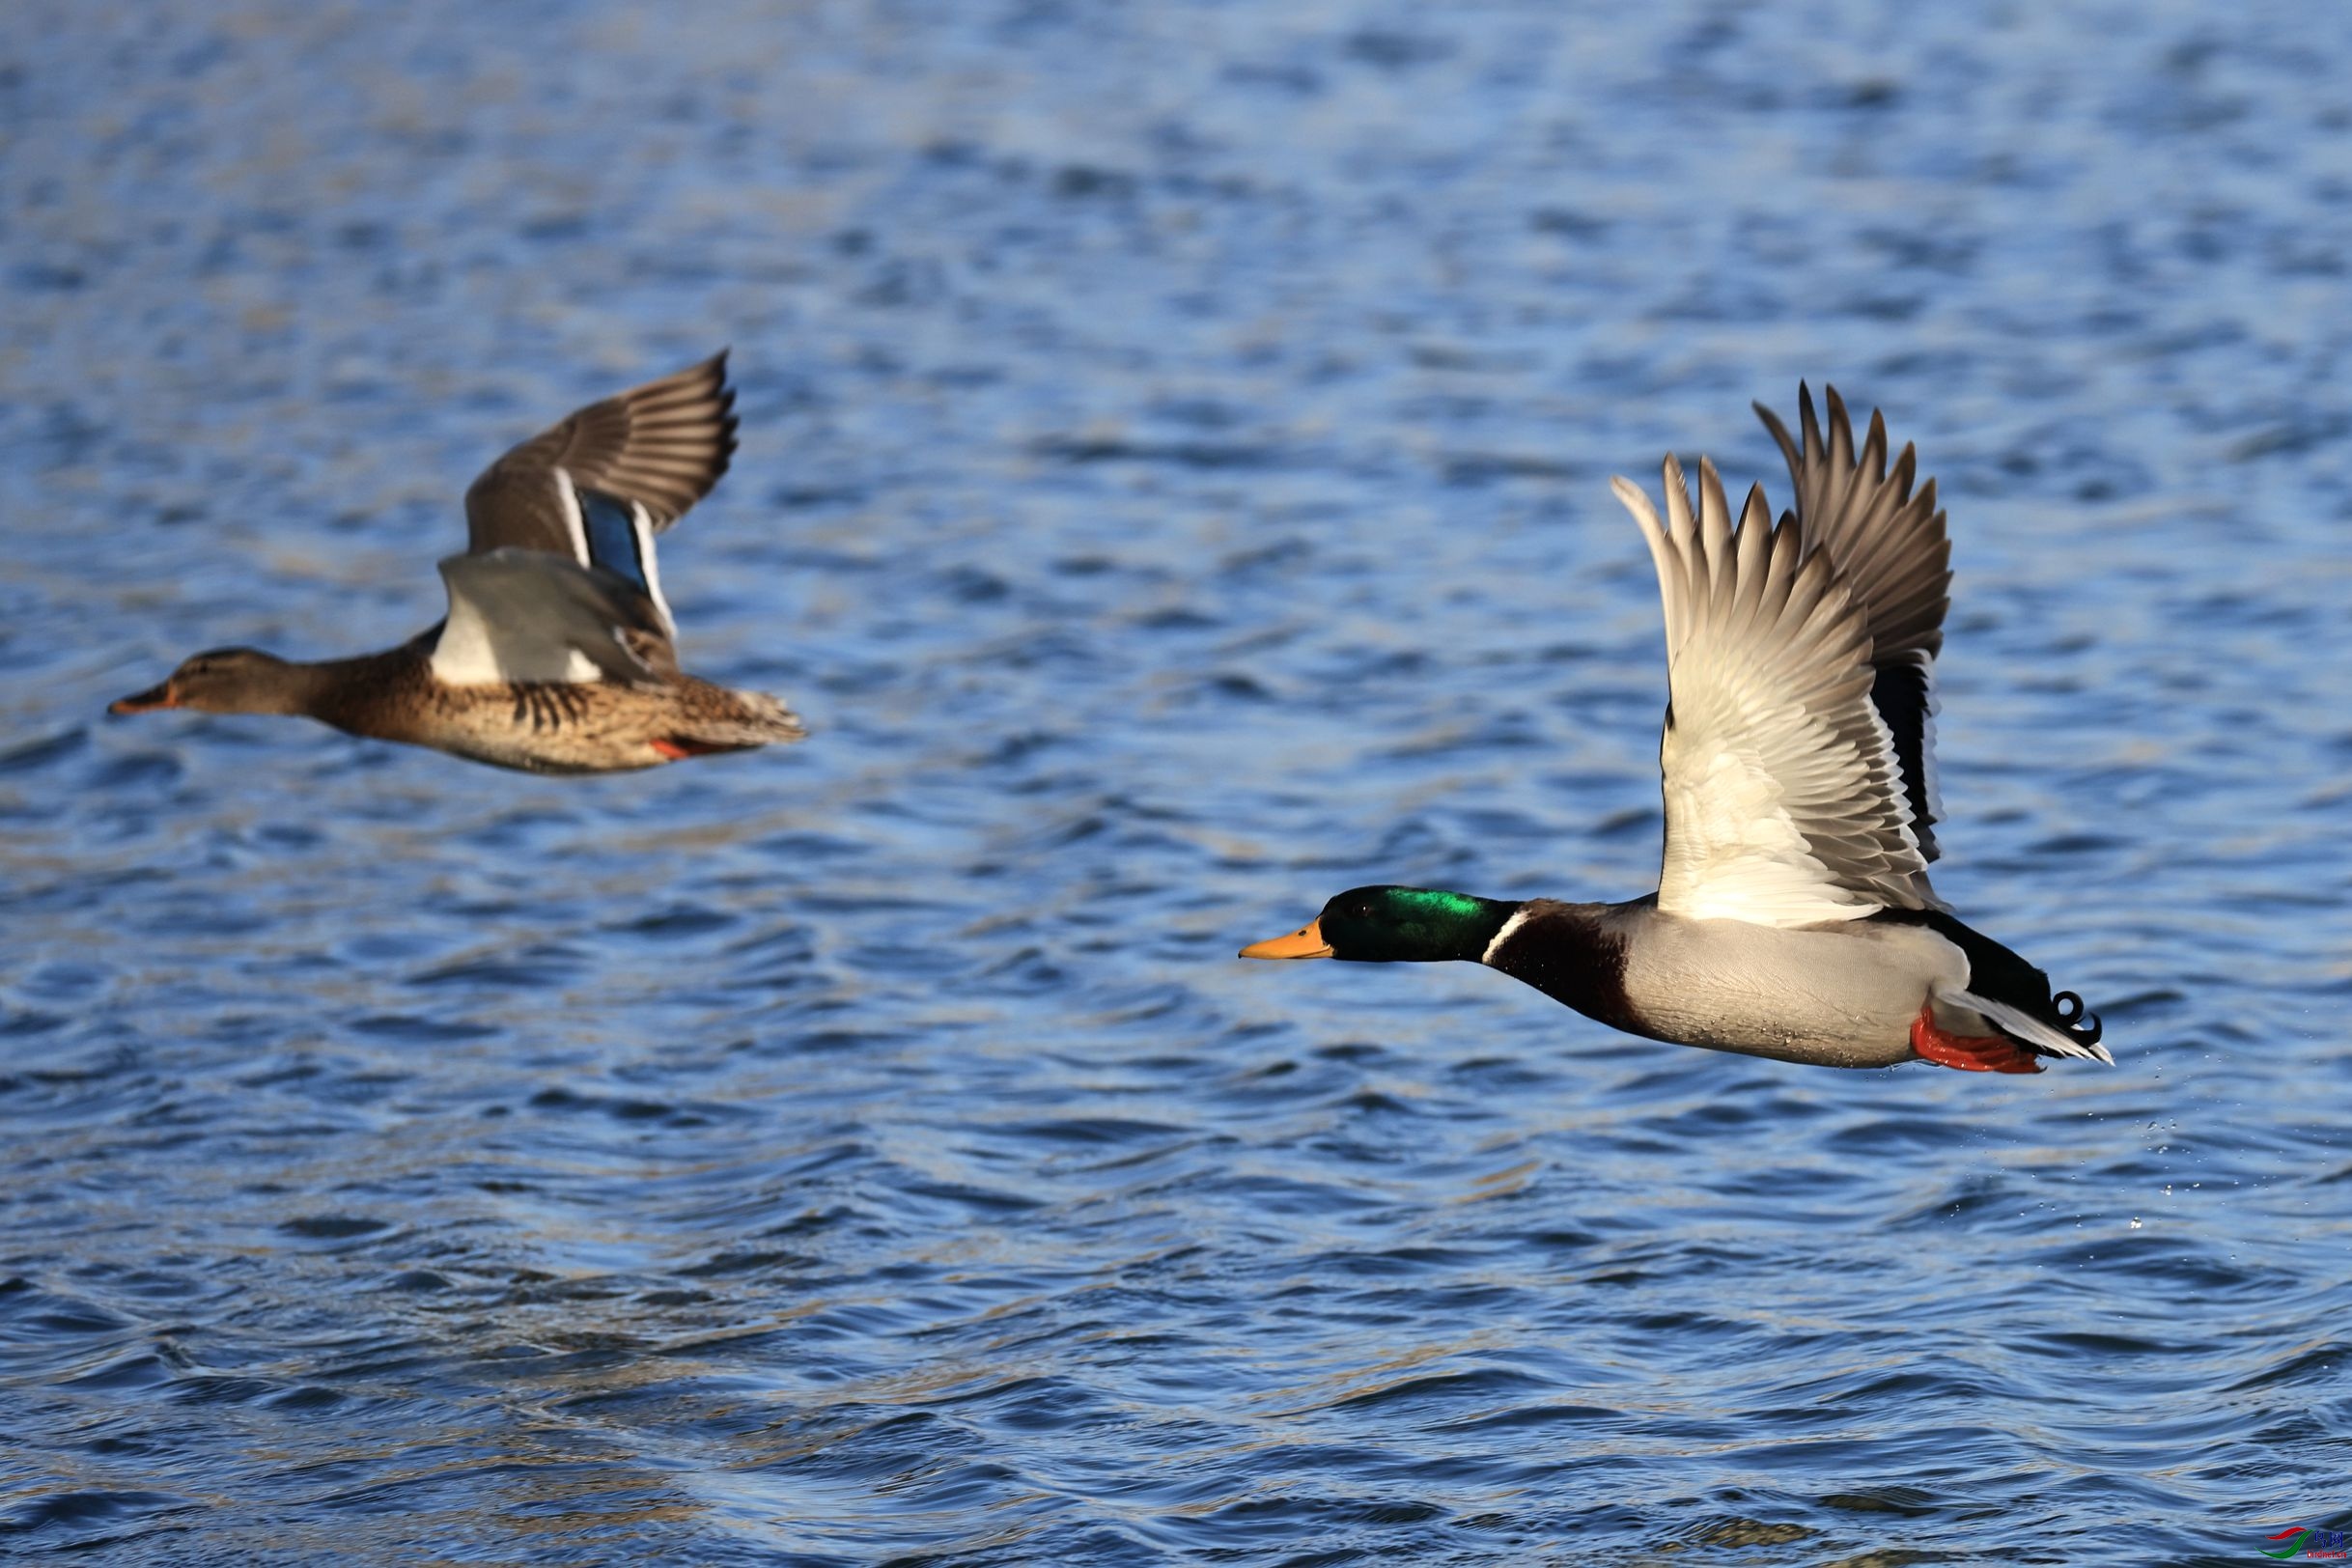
(598, 486)
(519, 616)
(1891, 548)
(1782, 807)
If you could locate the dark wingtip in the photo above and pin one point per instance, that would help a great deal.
(1841, 421)
(728, 420)
(1791, 452)
(1873, 453)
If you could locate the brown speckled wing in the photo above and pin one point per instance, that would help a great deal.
(657, 448)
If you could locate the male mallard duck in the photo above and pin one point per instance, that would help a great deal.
(1793, 917)
(557, 653)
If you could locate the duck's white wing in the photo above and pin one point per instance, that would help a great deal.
(1891, 548)
(1783, 805)
(596, 488)
(523, 616)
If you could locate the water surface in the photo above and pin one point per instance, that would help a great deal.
(1173, 486)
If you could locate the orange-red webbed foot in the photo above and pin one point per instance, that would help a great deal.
(1970, 1053)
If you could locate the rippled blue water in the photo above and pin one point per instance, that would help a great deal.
(1173, 486)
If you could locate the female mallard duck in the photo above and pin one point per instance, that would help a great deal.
(1793, 917)
(557, 655)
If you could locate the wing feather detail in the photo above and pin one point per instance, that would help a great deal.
(642, 458)
(1783, 805)
(1893, 550)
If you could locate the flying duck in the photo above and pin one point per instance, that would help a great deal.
(1793, 918)
(558, 655)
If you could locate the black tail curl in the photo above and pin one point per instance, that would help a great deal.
(2070, 1014)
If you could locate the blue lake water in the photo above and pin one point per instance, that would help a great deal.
(1173, 486)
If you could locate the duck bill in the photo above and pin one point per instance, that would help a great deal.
(145, 702)
(1305, 942)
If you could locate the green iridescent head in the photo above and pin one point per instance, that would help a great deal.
(1394, 925)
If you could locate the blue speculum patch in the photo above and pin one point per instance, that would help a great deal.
(612, 537)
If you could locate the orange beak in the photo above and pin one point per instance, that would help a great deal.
(145, 702)
(1304, 943)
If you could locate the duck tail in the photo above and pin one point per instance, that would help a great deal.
(774, 722)
(744, 721)
(2064, 1033)
(2010, 994)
